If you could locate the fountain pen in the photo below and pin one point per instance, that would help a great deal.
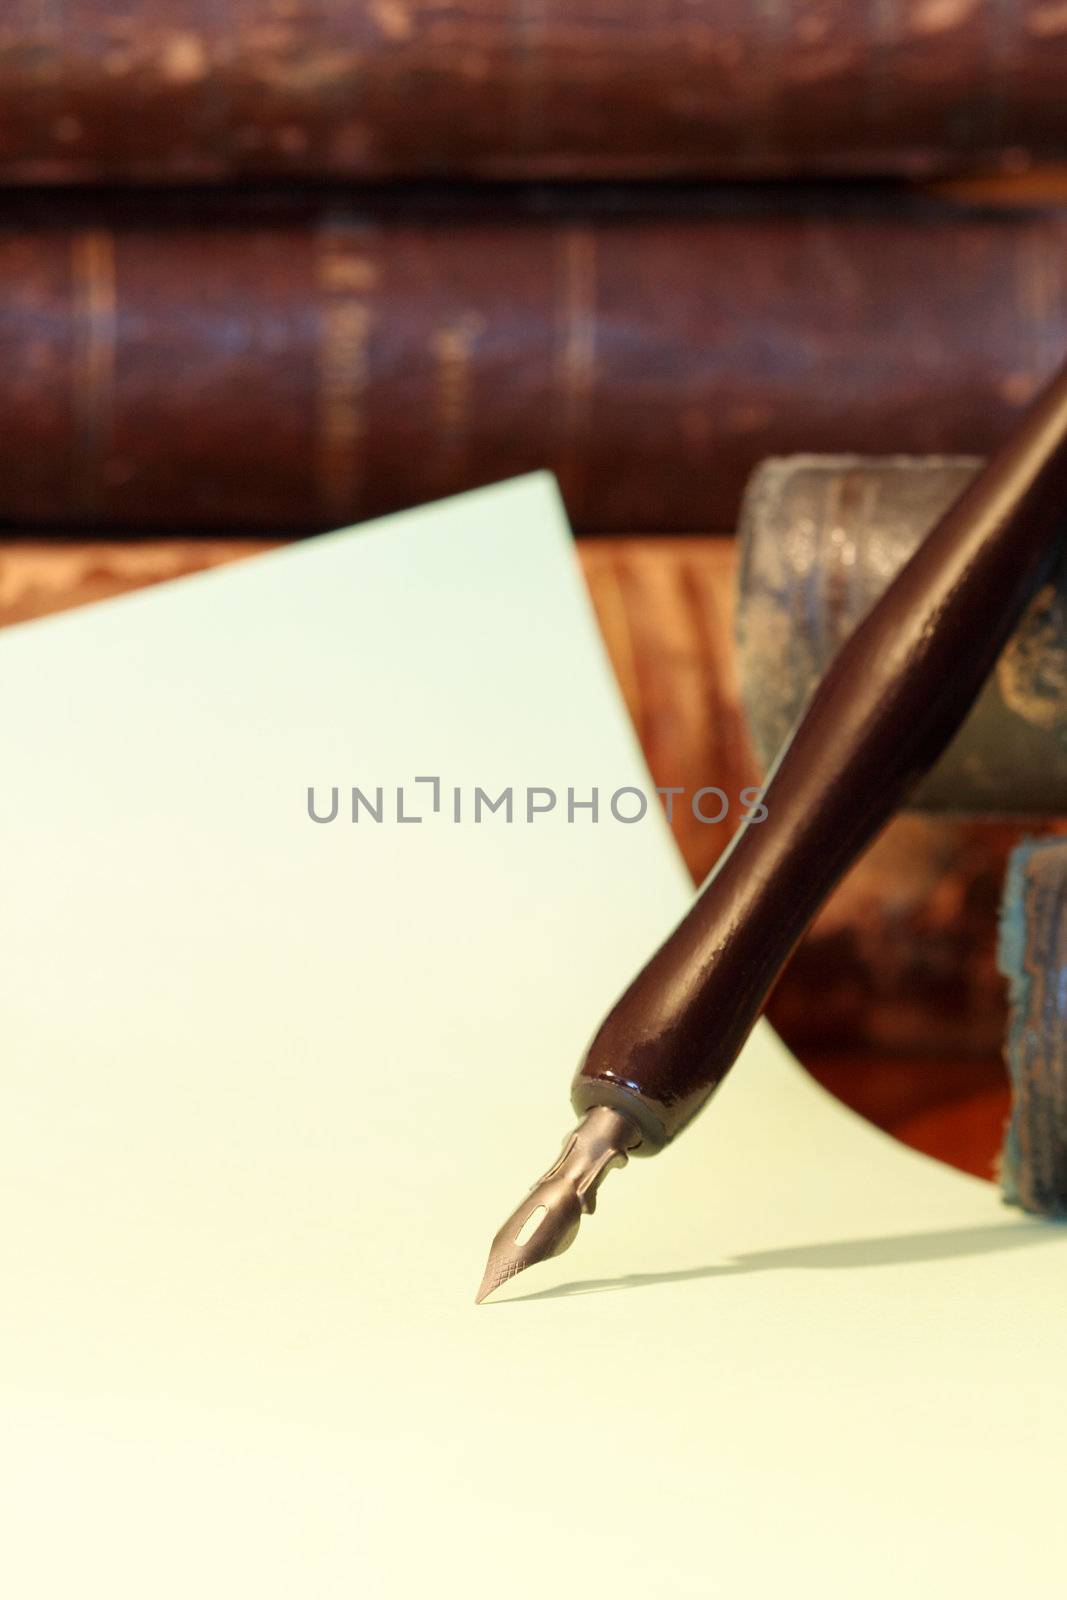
(893, 697)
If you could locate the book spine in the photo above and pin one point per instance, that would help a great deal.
(191, 90)
(1032, 952)
(302, 374)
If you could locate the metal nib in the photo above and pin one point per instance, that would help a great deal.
(547, 1221)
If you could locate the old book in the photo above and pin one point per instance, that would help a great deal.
(268, 366)
(1032, 957)
(821, 537)
(185, 89)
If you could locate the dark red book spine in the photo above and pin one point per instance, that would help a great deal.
(302, 372)
(192, 90)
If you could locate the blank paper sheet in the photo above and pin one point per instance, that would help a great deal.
(270, 1084)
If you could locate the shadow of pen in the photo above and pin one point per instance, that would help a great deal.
(890, 1250)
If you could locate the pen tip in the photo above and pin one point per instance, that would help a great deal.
(538, 1229)
(497, 1272)
(546, 1223)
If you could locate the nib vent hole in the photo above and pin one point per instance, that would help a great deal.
(531, 1225)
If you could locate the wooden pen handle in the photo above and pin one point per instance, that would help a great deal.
(894, 696)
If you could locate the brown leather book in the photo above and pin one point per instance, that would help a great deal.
(264, 365)
(192, 89)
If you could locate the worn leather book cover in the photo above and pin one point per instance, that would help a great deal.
(195, 90)
(265, 364)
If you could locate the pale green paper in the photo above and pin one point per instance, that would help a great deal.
(270, 1086)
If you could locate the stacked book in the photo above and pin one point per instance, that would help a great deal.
(285, 265)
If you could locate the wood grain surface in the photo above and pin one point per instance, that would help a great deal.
(893, 1000)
